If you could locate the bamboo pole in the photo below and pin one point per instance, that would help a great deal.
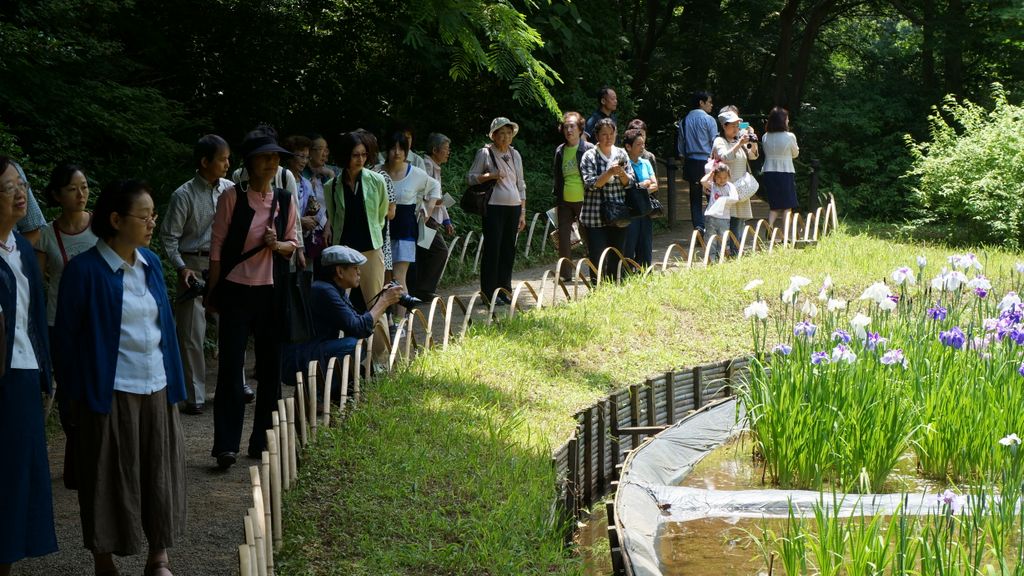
(312, 399)
(250, 544)
(346, 364)
(275, 486)
(267, 515)
(259, 515)
(328, 383)
(300, 405)
(281, 426)
(261, 551)
(244, 568)
(293, 449)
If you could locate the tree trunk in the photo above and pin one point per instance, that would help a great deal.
(928, 50)
(787, 19)
(953, 47)
(816, 18)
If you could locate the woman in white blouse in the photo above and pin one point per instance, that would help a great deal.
(416, 194)
(780, 149)
(118, 356)
(26, 503)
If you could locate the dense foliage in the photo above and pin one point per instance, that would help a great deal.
(125, 87)
(969, 176)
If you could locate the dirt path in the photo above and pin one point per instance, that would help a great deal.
(217, 501)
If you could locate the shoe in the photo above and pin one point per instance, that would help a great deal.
(255, 454)
(504, 300)
(248, 394)
(226, 460)
(193, 409)
(152, 567)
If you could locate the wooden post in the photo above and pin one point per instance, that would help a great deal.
(698, 387)
(613, 411)
(670, 397)
(275, 486)
(282, 445)
(602, 447)
(572, 477)
(652, 414)
(634, 414)
(268, 516)
(346, 364)
(588, 456)
(328, 385)
(293, 449)
(730, 375)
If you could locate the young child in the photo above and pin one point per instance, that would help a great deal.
(722, 195)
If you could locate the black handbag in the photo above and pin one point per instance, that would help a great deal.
(657, 210)
(477, 196)
(300, 317)
(639, 201)
(615, 213)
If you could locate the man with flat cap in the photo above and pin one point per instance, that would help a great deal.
(333, 311)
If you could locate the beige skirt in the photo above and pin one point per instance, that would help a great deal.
(131, 473)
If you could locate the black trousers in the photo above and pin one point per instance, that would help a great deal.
(568, 212)
(244, 310)
(501, 225)
(429, 266)
(599, 238)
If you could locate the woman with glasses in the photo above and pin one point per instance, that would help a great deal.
(26, 504)
(505, 215)
(121, 369)
(357, 207)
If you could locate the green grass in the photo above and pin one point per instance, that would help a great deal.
(445, 467)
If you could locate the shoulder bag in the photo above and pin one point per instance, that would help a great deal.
(477, 196)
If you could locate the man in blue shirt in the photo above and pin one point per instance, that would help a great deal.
(333, 311)
(694, 141)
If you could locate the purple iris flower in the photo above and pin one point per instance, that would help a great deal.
(980, 292)
(954, 337)
(805, 329)
(1017, 334)
(819, 358)
(783, 349)
(841, 335)
(1020, 370)
(894, 357)
(938, 312)
(874, 340)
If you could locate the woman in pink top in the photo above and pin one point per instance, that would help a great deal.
(253, 238)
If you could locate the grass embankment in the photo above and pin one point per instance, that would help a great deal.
(445, 467)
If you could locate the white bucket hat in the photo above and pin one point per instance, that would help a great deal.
(501, 122)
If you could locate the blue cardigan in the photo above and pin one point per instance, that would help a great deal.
(88, 329)
(37, 330)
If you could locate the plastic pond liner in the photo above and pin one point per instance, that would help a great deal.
(667, 528)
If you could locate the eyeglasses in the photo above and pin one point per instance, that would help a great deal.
(10, 189)
(149, 220)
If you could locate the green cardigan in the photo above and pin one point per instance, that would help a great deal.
(375, 195)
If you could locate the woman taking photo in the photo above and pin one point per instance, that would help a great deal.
(607, 173)
(506, 211)
(26, 508)
(780, 149)
(120, 364)
(736, 148)
(252, 239)
(416, 194)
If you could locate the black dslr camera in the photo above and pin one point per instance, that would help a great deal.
(406, 300)
(196, 288)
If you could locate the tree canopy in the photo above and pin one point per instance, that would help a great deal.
(125, 87)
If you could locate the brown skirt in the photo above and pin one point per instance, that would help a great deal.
(131, 473)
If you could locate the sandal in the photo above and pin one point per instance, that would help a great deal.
(153, 567)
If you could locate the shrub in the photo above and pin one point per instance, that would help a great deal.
(970, 176)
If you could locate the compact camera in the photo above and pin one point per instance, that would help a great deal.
(196, 288)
